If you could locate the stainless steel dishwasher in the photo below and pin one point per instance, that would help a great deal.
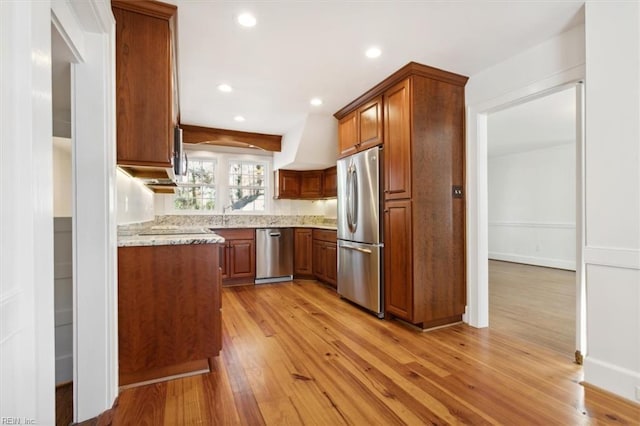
(274, 255)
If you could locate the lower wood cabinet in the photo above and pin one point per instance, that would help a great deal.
(168, 310)
(398, 259)
(325, 256)
(303, 249)
(238, 256)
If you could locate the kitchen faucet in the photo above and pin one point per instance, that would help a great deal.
(225, 218)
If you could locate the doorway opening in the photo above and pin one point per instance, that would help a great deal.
(534, 200)
(61, 59)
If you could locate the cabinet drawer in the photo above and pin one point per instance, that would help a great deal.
(325, 235)
(236, 234)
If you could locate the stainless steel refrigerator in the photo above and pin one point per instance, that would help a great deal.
(360, 230)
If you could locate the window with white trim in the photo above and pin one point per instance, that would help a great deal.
(198, 191)
(218, 182)
(247, 185)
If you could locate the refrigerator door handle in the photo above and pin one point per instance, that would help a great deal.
(351, 198)
(348, 196)
(354, 192)
(361, 250)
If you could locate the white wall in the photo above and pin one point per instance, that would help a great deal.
(62, 185)
(532, 213)
(27, 376)
(612, 252)
(555, 62)
(311, 145)
(134, 200)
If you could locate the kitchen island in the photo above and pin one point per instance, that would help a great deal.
(169, 322)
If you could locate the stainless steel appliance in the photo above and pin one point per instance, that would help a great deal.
(360, 230)
(274, 255)
(180, 160)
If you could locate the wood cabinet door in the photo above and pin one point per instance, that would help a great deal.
(303, 249)
(311, 185)
(330, 187)
(348, 138)
(318, 260)
(370, 124)
(398, 257)
(331, 263)
(288, 184)
(397, 136)
(242, 259)
(224, 260)
(144, 131)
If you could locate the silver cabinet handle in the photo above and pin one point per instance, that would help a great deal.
(361, 250)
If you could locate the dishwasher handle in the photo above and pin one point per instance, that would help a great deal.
(274, 234)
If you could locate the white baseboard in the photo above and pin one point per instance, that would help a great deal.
(612, 378)
(531, 260)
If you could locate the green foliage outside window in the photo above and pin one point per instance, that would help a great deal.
(198, 192)
(247, 186)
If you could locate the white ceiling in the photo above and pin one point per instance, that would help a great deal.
(540, 123)
(302, 49)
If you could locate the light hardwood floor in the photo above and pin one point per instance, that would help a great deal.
(294, 353)
(535, 304)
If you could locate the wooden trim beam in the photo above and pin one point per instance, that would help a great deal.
(412, 68)
(211, 136)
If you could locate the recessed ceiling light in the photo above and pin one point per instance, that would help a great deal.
(316, 101)
(225, 88)
(239, 118)
(247, 20)
(373, 52)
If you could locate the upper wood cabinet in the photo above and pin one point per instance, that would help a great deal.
(370, 124)
(306, 184)
(330, 188)
(361, 129)
(348, 134)
(288, 184)
(145, 106)
(397, 149)
(312, 182)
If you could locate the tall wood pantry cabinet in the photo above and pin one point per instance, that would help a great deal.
(424, 221)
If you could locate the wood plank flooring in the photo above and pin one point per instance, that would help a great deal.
(294, 353)
(64, 404)
(535, 304)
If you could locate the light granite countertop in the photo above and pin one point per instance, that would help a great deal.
(166, 237)
(175, 235)
(146, 233)
(232, 226)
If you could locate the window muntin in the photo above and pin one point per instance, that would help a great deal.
(247, 185)
(198, 191)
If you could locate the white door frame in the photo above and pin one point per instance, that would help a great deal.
(88, 28)
(477, 313)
